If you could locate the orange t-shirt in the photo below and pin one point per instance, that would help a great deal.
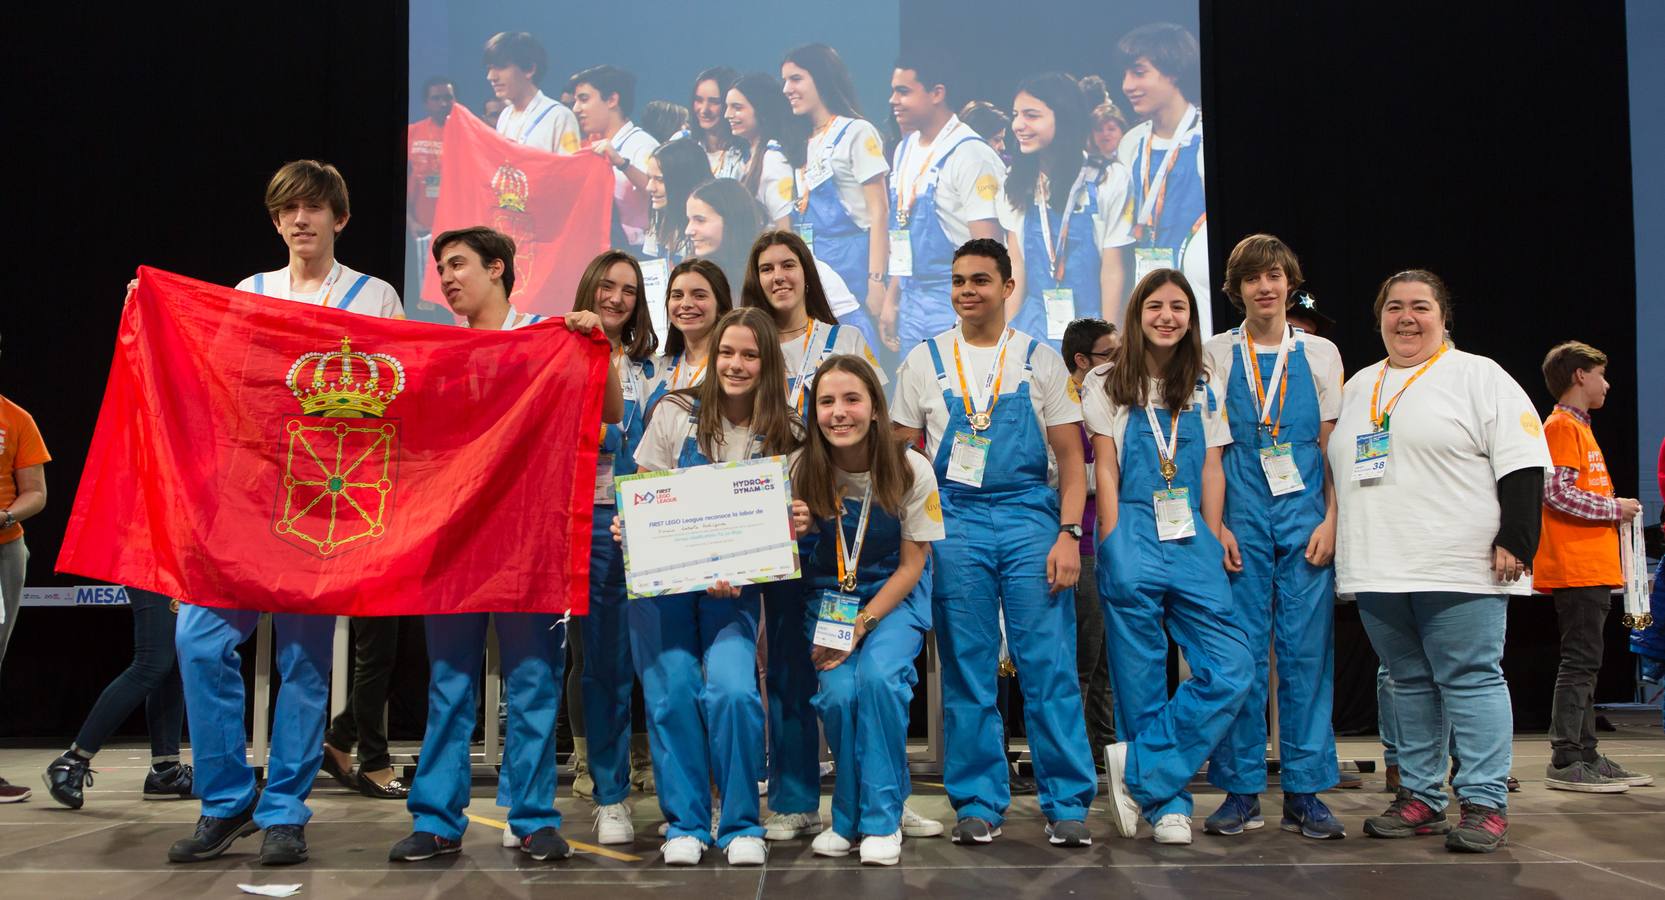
(1575, 552)
(20, 448)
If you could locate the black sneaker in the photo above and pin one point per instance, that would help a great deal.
(65, 777)
(546, 843)
(173, 784)
(213, 836)
(1069, 834)
(1482, 830)
(972, 830)
(284, 845)
(422, 845)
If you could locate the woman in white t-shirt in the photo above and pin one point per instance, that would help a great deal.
(696, 653)
(758, 115)
(673, 171)
(1439, 515)
(879, 501)
(707, 125)
(696, 297)
(840, 191)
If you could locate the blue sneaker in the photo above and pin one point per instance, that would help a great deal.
(1239, 813)
(1308, 815)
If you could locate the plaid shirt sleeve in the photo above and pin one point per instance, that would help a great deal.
(1561, 492)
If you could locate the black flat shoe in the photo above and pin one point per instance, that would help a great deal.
(395, 789)
(343, 777)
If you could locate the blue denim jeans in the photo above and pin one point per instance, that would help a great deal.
(1444, 654)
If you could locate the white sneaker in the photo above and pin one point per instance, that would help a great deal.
(830, 843)
(1124, 810)
(786, 826)
(916, 825)
(747, 851)
(664, 828)
(683, 851)
(612, 824)
(510, 842)
(1173, 828)
(881, 849)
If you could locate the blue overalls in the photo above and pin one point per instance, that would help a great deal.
(1278, 584)
(925, 308)
(697, 658)
(1144, 582)
(1081, 263)
(608, 673)
(794, 740)
(864, 701)
(838, 240)
(1184, 208)
(995, 554)
(206, 640)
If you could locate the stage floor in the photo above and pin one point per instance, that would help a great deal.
(1560, 845)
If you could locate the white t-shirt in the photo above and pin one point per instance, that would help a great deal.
(919, 399)
(671, 425)
(848, 339)
(1322, 358)
(1429, 522)
(725, 163)
(1112, 223)
(839, 297)
(1110, 419)
(677, 376)
(376, 298)
(968, 184)
(547, 124)
(857, 157)
(774, 185)
(635, 145)
(921, 508)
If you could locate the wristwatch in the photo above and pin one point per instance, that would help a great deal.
(868, 621)
(9, 521)
(1073, 530)
(876, 277)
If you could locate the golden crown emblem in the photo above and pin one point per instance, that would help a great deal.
(345, 383)
(512, 188)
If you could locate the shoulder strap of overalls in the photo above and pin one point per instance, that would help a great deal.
(353, 291)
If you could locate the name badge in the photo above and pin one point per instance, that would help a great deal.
(627, 389)
(901, 253)
(807, 232)
(604, 479)
(1278, 462)
(1060, 311)
(655, 274)
(815, 176)
(967, 459)
(430, 185)
(1148, 259)
(835, 625)
(1173, 514)
(1371, 457)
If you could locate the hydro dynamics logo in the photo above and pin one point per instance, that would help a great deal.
(754, 485)
(661, 497)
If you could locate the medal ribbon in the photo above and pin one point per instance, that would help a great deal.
(1164, 452)
(692, 379)
(797, 401)
(994, 377)
(847, 561)
(1251, 371)
(1055, 256)
(904, 207)
(1150, 210)
(1380, 419)
(802, 201)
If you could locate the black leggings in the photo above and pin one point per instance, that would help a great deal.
(152, 679)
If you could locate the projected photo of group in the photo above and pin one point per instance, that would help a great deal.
(884, 136)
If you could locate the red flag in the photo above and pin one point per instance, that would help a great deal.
(558, 209)
(259, 454)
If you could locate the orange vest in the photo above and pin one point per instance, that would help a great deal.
(1575, 552)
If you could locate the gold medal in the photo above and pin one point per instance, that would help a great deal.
(979, 421)
(847, 583)
(1169, 470)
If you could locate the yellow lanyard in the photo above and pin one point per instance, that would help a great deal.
(980, 421)
(1380, 419)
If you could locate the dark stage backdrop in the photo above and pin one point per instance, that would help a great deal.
(1488, 145)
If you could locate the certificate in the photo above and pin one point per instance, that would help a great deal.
(686, 529)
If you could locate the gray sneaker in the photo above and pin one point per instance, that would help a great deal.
(1609, 769)
(1582, 777)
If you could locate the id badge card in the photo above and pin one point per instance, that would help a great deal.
(816, 176)
(627, 389)
(1371, 457)
(901, 253)
(1060, 311)
(604, 479)
(1278, 462)
(807, 232)
(1173, 514)
(430, 186)
(835, 624)
(1148, 259)
(968, 458)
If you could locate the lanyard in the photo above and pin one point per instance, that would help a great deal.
(528, 123)
(1150, 209)
(904, 207)
(327, 289)
(1380, 419)
(692, 379)
(847, 561)
(1055, 256)
(804, 369)
(1164, 452)
(979, 420)
(1280, 375)
(631, 407)
(826, 159)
